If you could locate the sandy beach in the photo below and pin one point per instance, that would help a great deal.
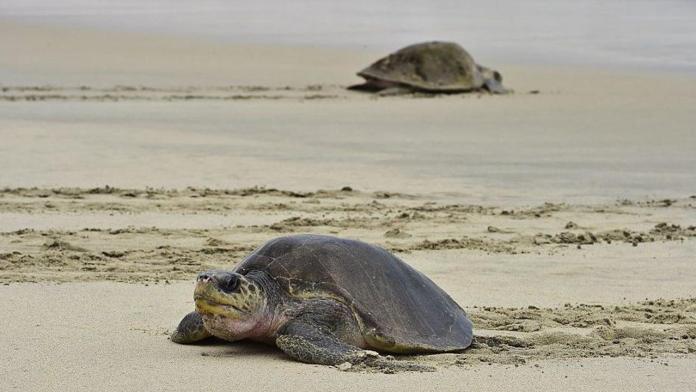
(561, 217)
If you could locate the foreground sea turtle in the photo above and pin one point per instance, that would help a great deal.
(327, 300)
(432, 67)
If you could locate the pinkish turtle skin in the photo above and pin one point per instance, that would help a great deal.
(327, 300)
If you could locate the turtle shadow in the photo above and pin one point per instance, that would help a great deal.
(239, 349)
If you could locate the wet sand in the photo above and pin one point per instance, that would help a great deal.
(589, 134)
(563, 220)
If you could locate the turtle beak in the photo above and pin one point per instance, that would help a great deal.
(213, 288)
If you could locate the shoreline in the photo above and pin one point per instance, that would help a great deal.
(224, 111)
(87, 39)
(548, 32)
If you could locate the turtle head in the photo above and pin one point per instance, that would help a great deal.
(232, 305)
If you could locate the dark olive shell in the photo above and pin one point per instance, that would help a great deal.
(430, 66)
(399, 308)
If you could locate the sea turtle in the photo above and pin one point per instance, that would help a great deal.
(327, 300)
(432, 67)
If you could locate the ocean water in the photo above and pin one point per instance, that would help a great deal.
(657, 34)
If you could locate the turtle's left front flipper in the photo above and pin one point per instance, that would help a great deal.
(307, 343)
(493, 81)
(190, 330)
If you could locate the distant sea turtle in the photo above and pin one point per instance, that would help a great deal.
(433, 67)
(327, 300)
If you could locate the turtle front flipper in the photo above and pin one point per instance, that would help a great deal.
(495, 87)
(320, 349)
(493, 81)
(308, 343)
(190, 330)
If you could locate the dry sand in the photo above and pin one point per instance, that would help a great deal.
(109, 336)
(563, 221)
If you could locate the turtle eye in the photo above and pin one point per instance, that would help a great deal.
(229, 283)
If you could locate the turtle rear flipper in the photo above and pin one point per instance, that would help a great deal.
(373, 85)
(381, 89)
(367, 87)
(394, 91)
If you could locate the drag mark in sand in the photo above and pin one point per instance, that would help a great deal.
(651, 329)
(198, 93)
(644, 330)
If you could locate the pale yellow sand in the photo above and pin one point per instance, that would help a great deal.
(456, 186)
(107, 336)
